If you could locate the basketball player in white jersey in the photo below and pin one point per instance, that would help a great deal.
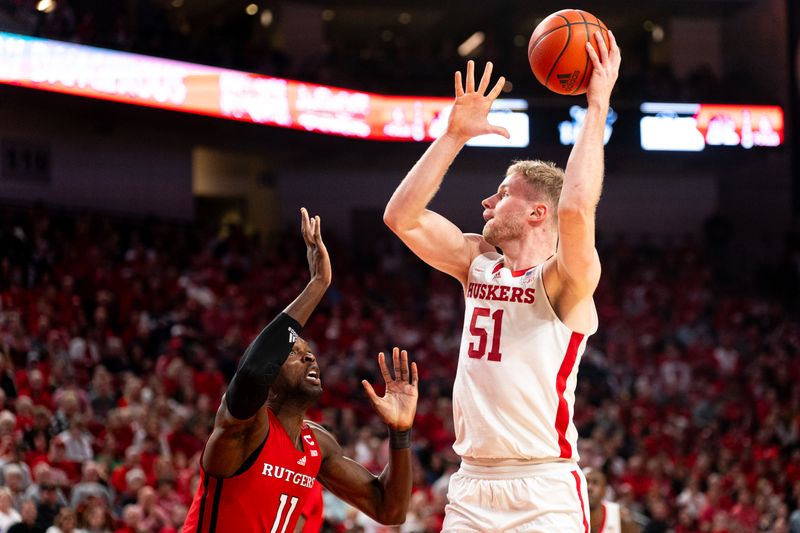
(528, 312)
(606, 516)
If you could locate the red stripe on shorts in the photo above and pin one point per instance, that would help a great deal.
(580, 497)
(562, 414)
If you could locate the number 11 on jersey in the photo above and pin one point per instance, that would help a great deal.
(476, 350)
(280, 518)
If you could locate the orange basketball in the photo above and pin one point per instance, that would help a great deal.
(557, 50)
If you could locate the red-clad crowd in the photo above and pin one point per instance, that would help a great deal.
(117, 338)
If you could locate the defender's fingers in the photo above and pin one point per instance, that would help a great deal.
(459, 85)
(470, 88)
(318, 230)
(498, 87)
(370, 391)
(404, 366)
(396, 363)
(305, 225)
(414, 374)
(487, 76)
(384, 369)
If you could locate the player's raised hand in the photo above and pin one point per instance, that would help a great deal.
(606, 68)
(319, 264)
(399, 405)
(468, 118)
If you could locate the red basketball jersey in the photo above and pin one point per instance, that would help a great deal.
(268, 492)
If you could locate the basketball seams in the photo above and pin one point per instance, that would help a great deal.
(532, 47)
(566, 45)
(586, 65)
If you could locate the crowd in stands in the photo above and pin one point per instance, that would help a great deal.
(402, 63)
(117, 339)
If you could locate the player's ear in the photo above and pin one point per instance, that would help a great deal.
(538, 212)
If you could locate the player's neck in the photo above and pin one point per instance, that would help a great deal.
(534, 249)
(291, 415)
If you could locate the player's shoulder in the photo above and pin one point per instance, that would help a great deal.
(319, 430)
(327, 442)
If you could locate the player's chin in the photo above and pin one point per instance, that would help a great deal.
(312, 390)
(489, 235)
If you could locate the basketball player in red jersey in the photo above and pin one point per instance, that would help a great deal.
(263, 458)
(528, 312)
(606, 517)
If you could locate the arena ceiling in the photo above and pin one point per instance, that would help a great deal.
(359, 19)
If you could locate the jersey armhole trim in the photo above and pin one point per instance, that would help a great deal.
(592, 330)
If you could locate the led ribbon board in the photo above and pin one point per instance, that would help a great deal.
(692, 127)
(179, 86)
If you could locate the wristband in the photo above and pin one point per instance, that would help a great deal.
(399, 440)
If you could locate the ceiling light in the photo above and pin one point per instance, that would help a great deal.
(658, 33)
(328, 14)
(266, 18)
(177, 3)
(251, 9)
(471, 44)
(404, 18)
(46, 6)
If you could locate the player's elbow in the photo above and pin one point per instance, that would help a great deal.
(391, 216)
(394, 219)
(576, 210)
(392, 517)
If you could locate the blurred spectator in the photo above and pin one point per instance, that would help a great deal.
(92, 484)
(8, 514)
(133, 520)
(15, 479)
(154, 517)
(95, 518)
(64, 522)
(48, 506)
(7, 385)
(76, 440)
(27, 510)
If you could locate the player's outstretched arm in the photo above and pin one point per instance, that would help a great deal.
(385, 497)
(240, 412)
(578, 264)
(429, 235)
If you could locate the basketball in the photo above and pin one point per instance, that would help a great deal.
(557, 50)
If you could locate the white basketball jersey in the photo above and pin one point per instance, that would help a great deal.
(514, 391)
(612, 522)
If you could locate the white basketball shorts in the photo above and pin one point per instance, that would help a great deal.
(542, 498)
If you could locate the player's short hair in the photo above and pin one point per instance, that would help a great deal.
(544, 177)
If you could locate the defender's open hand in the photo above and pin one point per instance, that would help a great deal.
(319, 264)
(398, 406)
